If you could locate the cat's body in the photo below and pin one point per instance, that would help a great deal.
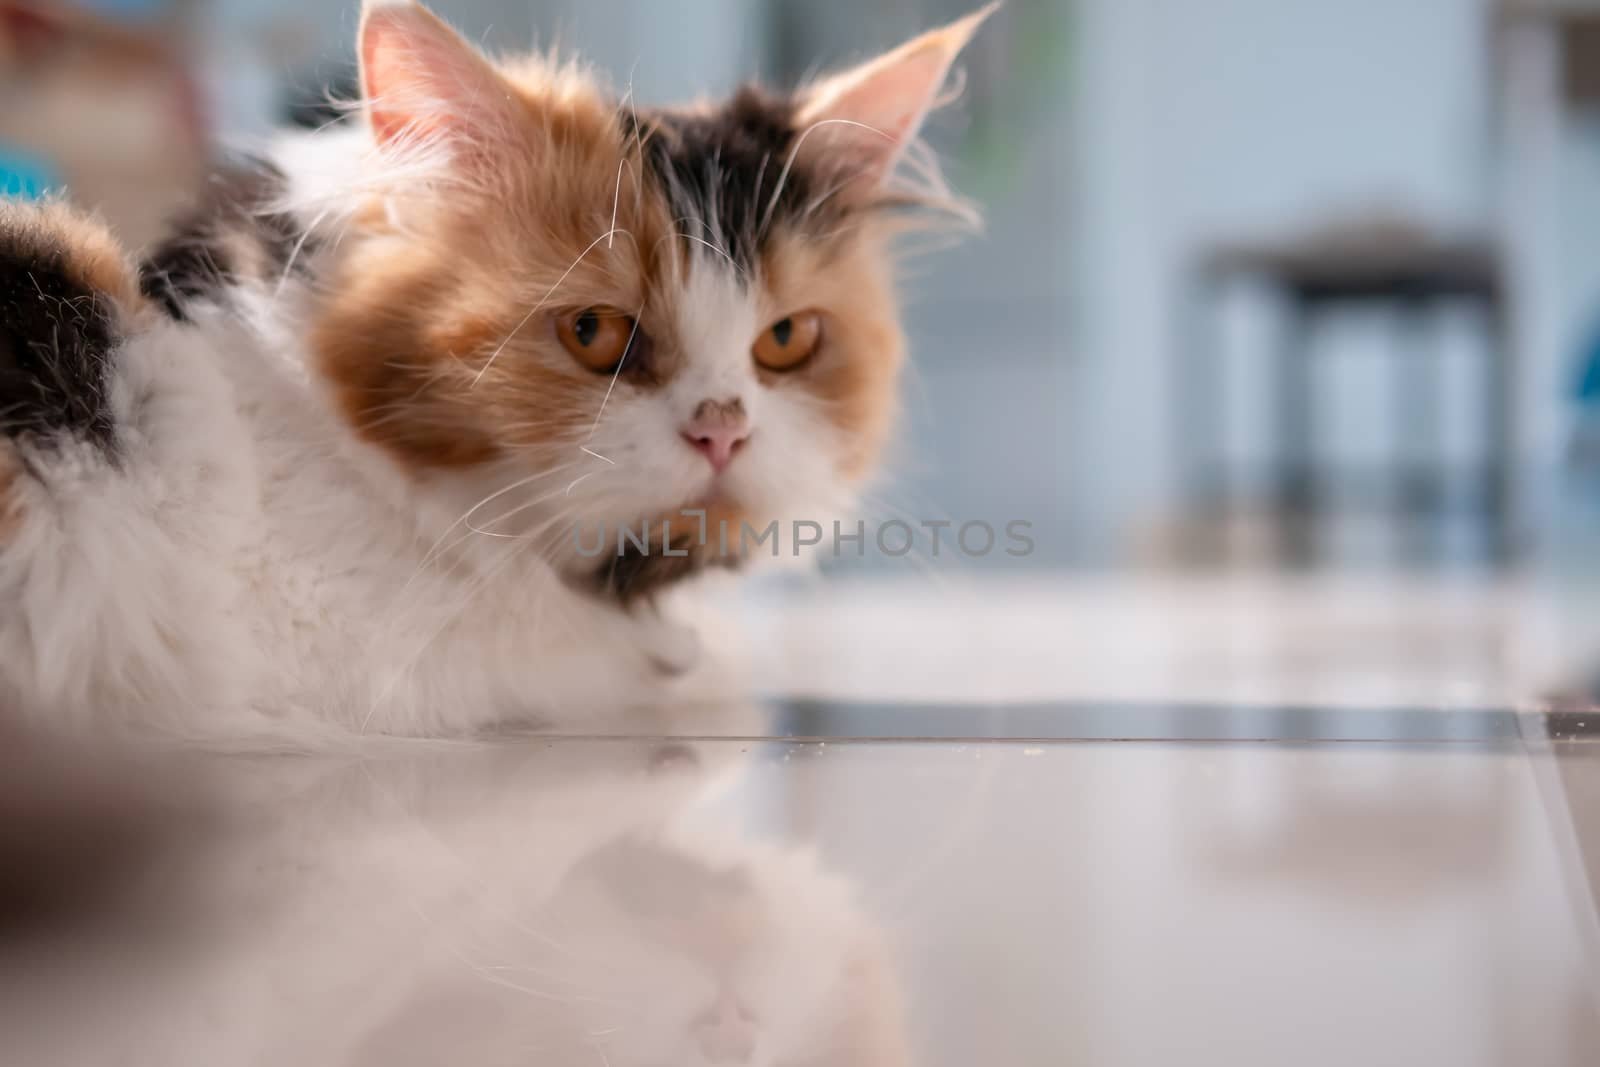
(317, 461)
(238, 549)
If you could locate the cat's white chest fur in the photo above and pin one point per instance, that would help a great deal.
(246, 563)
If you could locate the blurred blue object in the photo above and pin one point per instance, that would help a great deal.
(1588, 383)
(25, 175)
(1573, 556)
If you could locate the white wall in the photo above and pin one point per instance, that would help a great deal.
(670, 50)
(1233, 119)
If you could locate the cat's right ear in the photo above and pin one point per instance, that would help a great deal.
(424, 85)
(865, 118)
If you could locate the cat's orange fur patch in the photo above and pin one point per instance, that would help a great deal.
(394, 388)
(436, 336)
(855, 374)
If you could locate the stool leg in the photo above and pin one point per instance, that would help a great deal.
(1198, 401)
(1498, 492)
(1298, 501)
(1421, 488)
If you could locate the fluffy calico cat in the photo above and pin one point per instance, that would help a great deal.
(320, 458)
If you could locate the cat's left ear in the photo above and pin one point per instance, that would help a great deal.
(864, 118)
(422, 82)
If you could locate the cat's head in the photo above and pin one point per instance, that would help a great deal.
(628, 311)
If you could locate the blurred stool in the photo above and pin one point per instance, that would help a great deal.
(1407, 275)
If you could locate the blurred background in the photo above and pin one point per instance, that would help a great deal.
(1283, 332)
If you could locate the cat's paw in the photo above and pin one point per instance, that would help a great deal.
(672, 649)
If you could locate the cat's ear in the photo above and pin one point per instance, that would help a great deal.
(421, 81)
(864, 118)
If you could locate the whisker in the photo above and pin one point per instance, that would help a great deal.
(616, 202)
(467, 516)
(544, 300)
(449, 618)
(294, 253)
(613, 383)
(718, 249)
(788, 164)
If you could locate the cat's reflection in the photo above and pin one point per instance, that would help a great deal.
(658, 948)
(550, 903)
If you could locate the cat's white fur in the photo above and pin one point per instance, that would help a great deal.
(247, 564)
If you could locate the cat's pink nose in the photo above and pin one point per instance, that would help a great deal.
(717, 445)
(718, 429)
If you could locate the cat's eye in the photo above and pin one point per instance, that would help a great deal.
(597, 337)
(789, 342)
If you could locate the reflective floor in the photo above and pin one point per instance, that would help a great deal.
(950, 887)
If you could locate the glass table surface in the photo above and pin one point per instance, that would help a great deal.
(824, 884)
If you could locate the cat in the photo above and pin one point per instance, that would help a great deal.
(317, 461)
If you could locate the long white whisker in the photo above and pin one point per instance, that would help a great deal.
(545, 300)
(590, 452)
(466, 516)
(294, 253)
(718, 249)
(788, 164)
(465, 519)
(614, 376)
(616, 202)
(449, 619)
(513, 513)
(715, 248)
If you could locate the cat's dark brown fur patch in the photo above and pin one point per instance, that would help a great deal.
(56, 331)
(232, 234)
(634, 575)
(629, 573)
(729, 170)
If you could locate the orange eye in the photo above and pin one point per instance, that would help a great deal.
(789, 342)
(596, 337)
